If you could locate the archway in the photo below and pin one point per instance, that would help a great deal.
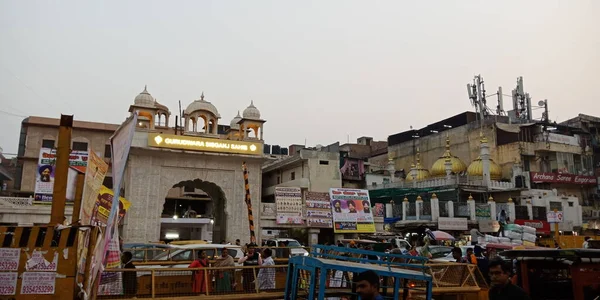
(197, 210)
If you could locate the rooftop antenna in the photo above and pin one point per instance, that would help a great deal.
(500, 107)
(476, 93)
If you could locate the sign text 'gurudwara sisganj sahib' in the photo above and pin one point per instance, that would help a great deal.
(202, 144)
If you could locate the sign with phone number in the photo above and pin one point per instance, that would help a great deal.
(8, 283)
(9, 259)
(38, 283)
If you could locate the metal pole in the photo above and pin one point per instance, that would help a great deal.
(59, 196)
(249, 205)
(556, 235)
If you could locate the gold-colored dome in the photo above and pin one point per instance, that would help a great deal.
(439, 167)
(421, 172)
(476, 169)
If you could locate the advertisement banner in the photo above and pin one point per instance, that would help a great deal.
(487, 226)
(351, 211)
(483, 212)
(8, 283)
(289, 205)
(538, 177)
(318, 210)
(541, 227)
(94, 177)
(38, 283)
(103, 205)
(452, 224)
(9, 259)
(379, 210)
(554, 217)
(111, 283)
(44, 177)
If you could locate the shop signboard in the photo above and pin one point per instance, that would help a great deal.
(161, 140)
(538, 177)
(44, 177)
(289, 205)
(541, 227)
(318, 210)
(459, 224)
(351, 211)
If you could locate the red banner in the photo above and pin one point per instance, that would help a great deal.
(562, 178)
(541, 227)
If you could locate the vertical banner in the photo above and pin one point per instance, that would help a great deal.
(318, 210)
(94, 177)
(44, 177)
(111, 283)
(289, 205)
(351, 211)
(120, 143)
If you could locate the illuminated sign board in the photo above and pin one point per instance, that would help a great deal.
(193, 143)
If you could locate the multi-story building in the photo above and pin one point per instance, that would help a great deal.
(489, 159)
(314, 172)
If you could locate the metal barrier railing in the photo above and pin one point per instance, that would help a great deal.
(268, 281)
(371, 257)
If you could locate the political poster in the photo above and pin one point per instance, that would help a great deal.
(289, 205)
(318, 210)
(94, 177)
(44, 177)
(351, 211)
(103, 206)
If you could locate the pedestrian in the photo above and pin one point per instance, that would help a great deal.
(252, 259)
(223, 278)
(482, 262)
(470, 258)
(266, 275)
(585, 242)
(457, 255)
(367, 285)
(198, 278)
(502, 288)
(129, 277)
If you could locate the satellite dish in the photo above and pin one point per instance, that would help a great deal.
(541, 103)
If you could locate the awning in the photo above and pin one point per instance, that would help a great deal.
(4, 175)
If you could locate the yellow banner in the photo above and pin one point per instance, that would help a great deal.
(193, 143)
(104, 204)
(94, 177)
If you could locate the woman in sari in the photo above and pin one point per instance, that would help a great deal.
(223, 277)
(199, 280)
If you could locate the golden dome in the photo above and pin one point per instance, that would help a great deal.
(476, 169)
(439, 167)
(421, 173)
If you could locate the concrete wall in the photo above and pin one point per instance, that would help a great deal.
(376, 178)
(464, 143)
(35, 134)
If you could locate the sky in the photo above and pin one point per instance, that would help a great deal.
(319, 71)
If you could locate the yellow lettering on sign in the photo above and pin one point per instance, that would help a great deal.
(203, 144)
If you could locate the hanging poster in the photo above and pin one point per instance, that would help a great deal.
(44, 177)
(94, 177)
(104, 201)
(351, 211)
(379, 210)
(318, 210)
(289, 205)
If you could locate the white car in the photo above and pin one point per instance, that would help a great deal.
(450, 258)
(295, 247)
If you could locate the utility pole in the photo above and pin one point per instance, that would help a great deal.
(500, 107)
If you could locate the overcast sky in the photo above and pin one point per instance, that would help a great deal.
(317, 70)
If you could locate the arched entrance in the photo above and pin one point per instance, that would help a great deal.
(194, 209)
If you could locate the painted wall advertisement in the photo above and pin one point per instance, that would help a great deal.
(44, 177)
(318, 210)
(351, 211)
(289, 205)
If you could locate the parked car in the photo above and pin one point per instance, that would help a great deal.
(438, 251)
(295, 247)
(401, 243)
(448, 257)
(146, 251)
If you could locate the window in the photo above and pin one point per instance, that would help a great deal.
(570, 204)
(80, 146)
(107, 153)
(293, 176)
(47, 143)
(323, 162)
(185, 255)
